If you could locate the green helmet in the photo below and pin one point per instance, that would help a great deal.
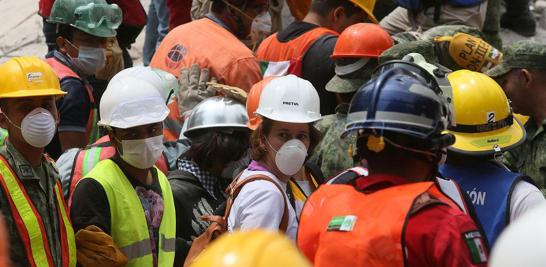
(95, 17)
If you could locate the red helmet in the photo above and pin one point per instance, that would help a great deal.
(362, 40)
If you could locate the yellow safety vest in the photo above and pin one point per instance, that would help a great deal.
(30, 225)
(129, 227)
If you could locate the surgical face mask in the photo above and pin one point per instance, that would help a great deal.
(90, 59)
(37, 127)
(142, 153)
(290, 157)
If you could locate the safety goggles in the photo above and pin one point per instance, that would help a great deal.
(96, 15)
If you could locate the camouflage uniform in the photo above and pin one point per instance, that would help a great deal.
(332, 153)
(529, 158)
(39, 183)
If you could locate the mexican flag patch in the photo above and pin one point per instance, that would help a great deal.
(475, 246)
(342, 223)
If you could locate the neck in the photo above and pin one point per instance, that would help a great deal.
(140, 175)
(224, 21)
(32, 155)
(316, 19)
(539, 119)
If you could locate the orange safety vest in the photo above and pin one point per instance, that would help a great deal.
(278, 59)
(88, 157)
(62, 71)
(30, 225)
(375, 237)
(207, 44)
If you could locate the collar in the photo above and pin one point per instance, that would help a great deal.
(212, 17)
(372, 183)
(67, 61)
(532, 130)
(256, 166)
(22, 168)
(209, 181)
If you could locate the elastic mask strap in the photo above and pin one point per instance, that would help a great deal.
(269, 144)
(10, 122)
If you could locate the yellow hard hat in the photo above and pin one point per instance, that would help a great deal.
(255, 248)
(484, 120)
(27, 77)
(367, 6)
(522, 118)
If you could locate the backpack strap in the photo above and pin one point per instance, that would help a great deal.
(235, 188)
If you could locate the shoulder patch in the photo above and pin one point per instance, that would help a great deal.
(475, 246)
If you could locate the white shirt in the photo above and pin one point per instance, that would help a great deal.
(525, 196)
(260, 204)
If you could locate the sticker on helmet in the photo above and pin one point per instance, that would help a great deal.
(490, 117)
(34, 76)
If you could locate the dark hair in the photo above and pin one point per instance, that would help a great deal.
(323, 7)
(64, 30)
(258, 147)
(217, 147)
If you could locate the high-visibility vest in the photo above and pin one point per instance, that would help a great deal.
(62, 71)
(129, 228)
(88, 157)
(279, 59)
(340, 226)
(30, 225)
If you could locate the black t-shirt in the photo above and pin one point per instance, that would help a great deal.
(318, 68)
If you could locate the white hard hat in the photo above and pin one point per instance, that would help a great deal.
(289, 99)
(522, 242)
(129, 102)
(166, 83)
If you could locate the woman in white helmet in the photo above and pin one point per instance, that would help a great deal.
(279, 147)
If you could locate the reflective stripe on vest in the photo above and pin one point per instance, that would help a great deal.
(62, 71)
(489, 186)
(30, 225)
(125, 206)
(3, 136)
(86, 159)
(278, 59)
(324, 243)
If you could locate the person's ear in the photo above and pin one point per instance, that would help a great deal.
(61, 44)
(338, 13)
(115, 141)
(526, 78)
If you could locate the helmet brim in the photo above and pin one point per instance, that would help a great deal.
(485, 143)
(33, 93)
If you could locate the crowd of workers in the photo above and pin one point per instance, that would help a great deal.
(358, 134)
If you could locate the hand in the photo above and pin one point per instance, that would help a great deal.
(193, 88)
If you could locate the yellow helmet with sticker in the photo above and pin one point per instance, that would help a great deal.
(484, 120)
(27, 77)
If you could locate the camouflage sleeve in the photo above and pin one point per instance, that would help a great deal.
(423, 47)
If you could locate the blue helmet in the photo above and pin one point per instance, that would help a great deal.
(401, 98)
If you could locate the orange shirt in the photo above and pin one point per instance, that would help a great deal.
(208, 44)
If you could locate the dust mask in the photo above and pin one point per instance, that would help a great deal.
(142, 153)
(38, 127)
(90, 59)
(290, 157)
(260, 27)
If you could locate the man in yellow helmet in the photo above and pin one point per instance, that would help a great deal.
(31, 199)
(485, 128)
(304, 47)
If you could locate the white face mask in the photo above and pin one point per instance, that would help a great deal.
(38, 127)
(90, 59)
(260, 27)
(290, 157)
(142, 153)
